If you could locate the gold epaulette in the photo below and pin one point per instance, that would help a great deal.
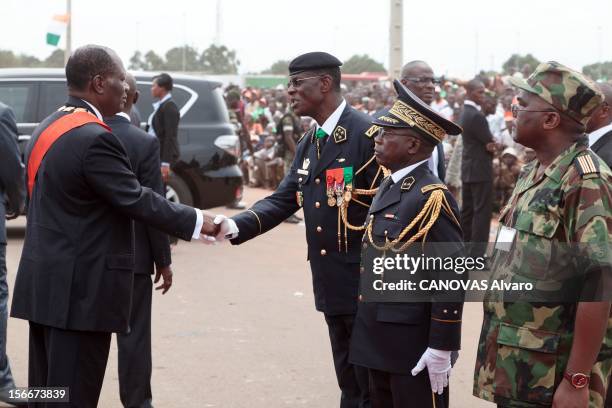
(430, 187)
(425, 219)
(585, 165)
(372, 131)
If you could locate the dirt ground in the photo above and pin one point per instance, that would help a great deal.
(239, 329)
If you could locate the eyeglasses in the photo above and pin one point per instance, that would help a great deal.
(515, 109)
(383, 133)
(423, 80)
(295, 82)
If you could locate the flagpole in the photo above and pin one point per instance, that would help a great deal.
(68, 50)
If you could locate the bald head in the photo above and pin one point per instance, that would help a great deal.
(418, 77)
(602, 116)
(132, 93)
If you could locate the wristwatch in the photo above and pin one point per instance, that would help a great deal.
(578, 380)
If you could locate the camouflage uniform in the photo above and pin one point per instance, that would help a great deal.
(524, 347)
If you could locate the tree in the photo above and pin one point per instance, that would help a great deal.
(599, 71)
(136, 62)
(153, 62)
(516, 63)
(362, 63)
(55, 60)
(280, 67)
(175, 56)
(219, 60)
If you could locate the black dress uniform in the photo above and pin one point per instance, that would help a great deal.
(333, 246)
(389, 338)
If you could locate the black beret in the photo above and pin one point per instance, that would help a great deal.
(409, 111)
(312, 61)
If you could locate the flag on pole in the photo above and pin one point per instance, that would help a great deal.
(56, 28)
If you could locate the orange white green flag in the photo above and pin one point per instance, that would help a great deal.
(57, 28)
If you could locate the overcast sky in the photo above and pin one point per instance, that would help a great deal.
(455, 37)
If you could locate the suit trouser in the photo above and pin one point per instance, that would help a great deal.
(6, 377)
(476, 212)
(404, 391)
(352, 379)
(134, 348)
(68, 358)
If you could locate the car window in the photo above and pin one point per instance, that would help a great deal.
(52, 96)
(18, 97)
(145, 101)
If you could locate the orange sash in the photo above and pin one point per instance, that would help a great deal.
(50, 135)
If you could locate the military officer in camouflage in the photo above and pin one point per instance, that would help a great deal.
(550, 353)
(333, 178)
(407, 345)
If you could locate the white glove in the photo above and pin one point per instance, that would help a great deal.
(228, 228)
(438, 363)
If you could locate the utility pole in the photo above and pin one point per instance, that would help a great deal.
(218, 24)
(396, 31)
(68, 50)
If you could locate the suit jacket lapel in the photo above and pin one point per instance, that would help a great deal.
(390, 197)
(333, 148)
(601, 142)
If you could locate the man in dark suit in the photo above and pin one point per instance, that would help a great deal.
(333, 177)
(419, 78)
(599, 129)
(151, 247)
(12, 198)
(476, 170)
(397, 341)
(164, 121)
(75, 279)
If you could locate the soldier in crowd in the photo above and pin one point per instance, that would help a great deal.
(551, 353)
(388, 337)
(506, 169)
(333, 176)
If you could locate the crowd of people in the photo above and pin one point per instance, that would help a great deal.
(270, 129)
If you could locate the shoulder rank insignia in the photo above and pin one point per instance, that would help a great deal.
(372, 131)
(586, 165)
(339, 134)
(407, 183)
(431, 187)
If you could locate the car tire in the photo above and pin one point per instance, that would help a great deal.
(178, 191)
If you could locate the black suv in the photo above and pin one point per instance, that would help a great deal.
(206, 175)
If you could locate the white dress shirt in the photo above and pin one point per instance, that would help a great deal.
(330, 123)
(156, 106)
(595, 135)
(401, 173)
(471, 103)
(93, 108)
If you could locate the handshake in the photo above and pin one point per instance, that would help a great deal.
(216, 228)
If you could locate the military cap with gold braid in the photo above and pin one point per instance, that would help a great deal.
(409, 111)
